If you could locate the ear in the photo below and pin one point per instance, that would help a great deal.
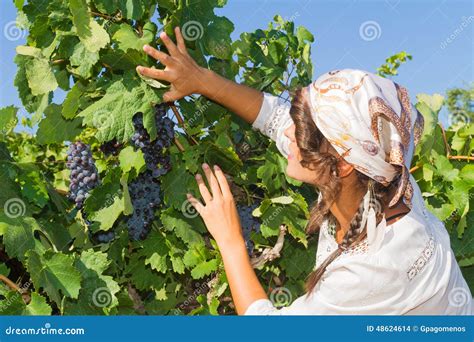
(344, 168)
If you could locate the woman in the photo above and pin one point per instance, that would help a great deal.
(351, 134)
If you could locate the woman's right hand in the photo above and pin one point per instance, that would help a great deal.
(181, 70)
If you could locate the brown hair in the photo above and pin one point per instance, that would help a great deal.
(309, 139)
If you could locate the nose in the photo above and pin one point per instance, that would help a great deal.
(290, 132)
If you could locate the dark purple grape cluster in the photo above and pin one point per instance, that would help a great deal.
(84, 175)
(249, 223)
(145, 193)
(156, 160)
(111, 147)
(104, 237)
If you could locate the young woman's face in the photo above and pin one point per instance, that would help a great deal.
(294, 169)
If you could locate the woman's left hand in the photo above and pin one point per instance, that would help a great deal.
(219, 211)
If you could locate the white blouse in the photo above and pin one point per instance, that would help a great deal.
(413, 273)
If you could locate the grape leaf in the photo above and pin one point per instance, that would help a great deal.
(131, 159)
(18, 234)
(128, 39)
(55, 129)
(112, 114)
(81, 17)
(98, 290)
(8, 119)
(14, 305)
(55, 273)
(40, 77)
(83, 60)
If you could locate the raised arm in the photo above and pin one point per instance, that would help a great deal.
(264, 111)
(187, 77)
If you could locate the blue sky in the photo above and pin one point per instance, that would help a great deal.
(437, 33)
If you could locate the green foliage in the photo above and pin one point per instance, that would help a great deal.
(392, 63)
(90, 49)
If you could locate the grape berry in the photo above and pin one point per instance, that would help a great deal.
(249, 223)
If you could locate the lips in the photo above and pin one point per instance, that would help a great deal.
(290, 156)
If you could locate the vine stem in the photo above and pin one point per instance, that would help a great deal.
(270, 254)
(10, 283)
(461, 158)
(448, 149)
(105, 16)
(24, 293)
(58, 61)
(181, 122)
(137, 301)
(178, 145)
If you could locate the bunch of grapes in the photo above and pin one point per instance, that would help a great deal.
(249, 223)
(111, 147)
(153, 151)
(83, 178)
(84, 175)
(145, 195)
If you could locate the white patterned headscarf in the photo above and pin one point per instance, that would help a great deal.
(371, 123)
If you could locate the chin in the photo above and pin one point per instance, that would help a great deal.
(290, 172)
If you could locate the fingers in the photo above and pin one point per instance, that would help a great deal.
(212, 180)
(223, 184)
(154, 73)
(171, 96)
(206, 195)
(195, 203)
(172, 48)
(158, 55)
(180, 40)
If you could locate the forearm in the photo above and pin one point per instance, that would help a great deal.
(244, 284)
(238, 98)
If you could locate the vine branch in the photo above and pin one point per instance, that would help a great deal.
(9, 283)
(468, 158)
(181, 123)
(270, 254)
(137, 301)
